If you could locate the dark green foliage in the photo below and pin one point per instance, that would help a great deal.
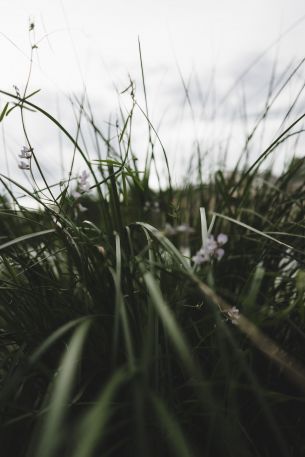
(112, 344)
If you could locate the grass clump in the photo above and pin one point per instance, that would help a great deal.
(133, 323)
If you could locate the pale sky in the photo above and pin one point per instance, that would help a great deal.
(84, 36)
(96, 43)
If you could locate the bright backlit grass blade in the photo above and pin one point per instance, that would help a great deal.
(204, 227)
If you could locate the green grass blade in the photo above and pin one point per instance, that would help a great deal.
(92, 428)
(50, 434)
(169, 424)
(30, 236)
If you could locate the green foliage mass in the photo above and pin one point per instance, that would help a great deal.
(114, 343)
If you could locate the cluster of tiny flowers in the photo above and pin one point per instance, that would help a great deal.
(26, 153)
(212, 250)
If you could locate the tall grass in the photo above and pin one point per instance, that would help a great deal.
(114, 342)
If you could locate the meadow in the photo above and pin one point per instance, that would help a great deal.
(140, 320)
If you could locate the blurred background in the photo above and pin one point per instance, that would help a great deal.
(210, 70)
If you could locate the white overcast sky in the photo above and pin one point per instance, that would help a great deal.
(96, 43)
(82, 35)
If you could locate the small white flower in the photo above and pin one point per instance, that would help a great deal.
(75, 194)
(169, 230)
(23, 165)
(185, 228)
(83, 183)
(200, 258)
(233, 314)
(81, 208)
(26, 153)
(84, 187)
(101, 249)
(84, 175)
(146, 206)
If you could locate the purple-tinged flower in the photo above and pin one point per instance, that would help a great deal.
(219, 253)
(211, 250)
(23, 165)
(222, 239)
(211, 245)
(200, 257)
(26, 153)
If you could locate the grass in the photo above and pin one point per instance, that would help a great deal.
(113, 342)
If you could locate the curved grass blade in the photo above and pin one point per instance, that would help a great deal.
(254, 230)
(174, 433)
(51, 432)
(2, 114)
(54, 337)
(92, 427)
(30, 236)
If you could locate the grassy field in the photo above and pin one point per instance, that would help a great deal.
(140, 321)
